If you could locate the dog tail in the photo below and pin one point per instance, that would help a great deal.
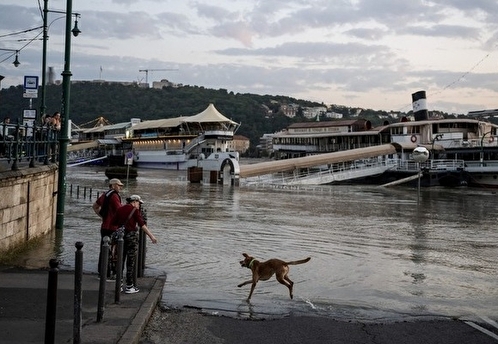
(296, 262)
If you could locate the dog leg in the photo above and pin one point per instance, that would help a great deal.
(287, 282)
(244, 283)
(250, 293)
(252, 287)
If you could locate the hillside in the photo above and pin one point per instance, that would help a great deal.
(119, 103)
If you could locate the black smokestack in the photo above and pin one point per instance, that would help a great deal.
(419, 104)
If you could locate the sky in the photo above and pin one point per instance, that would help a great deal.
(369, 54)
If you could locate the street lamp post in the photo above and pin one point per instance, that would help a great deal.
(482, 147)
(76, 31)
(64, 139)
(43, 107)
(436, 138)
(420, 155)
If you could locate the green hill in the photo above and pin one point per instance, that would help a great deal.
(258, 114)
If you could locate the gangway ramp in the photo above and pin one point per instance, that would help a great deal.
(288, 165)
(80, 146)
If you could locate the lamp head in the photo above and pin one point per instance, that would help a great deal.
(76, 31)
(16, 62)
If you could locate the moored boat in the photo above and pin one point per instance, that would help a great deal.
(455, 146)
(179, 143)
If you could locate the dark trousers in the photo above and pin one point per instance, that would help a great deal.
(130, 255)
(110, 267)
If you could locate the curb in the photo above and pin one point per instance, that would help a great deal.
(134, 331)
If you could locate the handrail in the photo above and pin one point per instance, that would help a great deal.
(28, 142)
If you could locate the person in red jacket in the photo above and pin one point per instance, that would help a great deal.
(106, 206)
(130, 217)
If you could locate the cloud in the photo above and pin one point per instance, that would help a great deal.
(372, 53)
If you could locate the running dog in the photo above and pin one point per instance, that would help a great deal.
(264, 270)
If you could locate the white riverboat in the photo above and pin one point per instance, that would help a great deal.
(463, 151)
(182, 142)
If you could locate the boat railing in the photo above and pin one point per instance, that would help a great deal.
(488, 141)
(194, 143)
(324, 174)
(431, 165)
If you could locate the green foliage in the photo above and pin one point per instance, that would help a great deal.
(119, 103)
(258, 114)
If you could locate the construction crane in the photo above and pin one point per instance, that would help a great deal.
(152, 70)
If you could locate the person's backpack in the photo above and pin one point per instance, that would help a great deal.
(105, 204)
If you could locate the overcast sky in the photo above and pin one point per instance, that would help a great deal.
(359, 53)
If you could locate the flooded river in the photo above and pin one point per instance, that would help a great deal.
(376, 253)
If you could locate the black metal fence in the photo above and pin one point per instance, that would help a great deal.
(32, 144)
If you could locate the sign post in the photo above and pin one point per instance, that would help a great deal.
(30, 87)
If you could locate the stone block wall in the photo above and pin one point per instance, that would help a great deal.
(28, 207)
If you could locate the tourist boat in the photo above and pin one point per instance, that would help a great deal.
(463, 151)
(182, 142)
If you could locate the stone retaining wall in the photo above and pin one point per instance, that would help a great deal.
(28, 204)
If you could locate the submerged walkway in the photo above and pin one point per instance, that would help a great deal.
(23, 295)
(23, 303)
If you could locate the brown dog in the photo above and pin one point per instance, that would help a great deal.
(264, 270)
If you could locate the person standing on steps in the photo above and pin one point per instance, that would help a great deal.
(129, 216)
(106, 207)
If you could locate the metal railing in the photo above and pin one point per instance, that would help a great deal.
(432, 165)
(28, 143)
(324, 174)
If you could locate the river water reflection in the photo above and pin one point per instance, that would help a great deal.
(375, 254)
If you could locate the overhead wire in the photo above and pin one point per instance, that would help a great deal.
(463, 75)
(457, 80)
(21, 32)
(30, 40)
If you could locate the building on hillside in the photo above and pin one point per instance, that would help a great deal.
(289, 110)
(240, 144)
(266, 143)
(334, 115)
(313, 112)
(164, 83)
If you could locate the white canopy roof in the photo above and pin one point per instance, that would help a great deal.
(208, 115)
(159, 123)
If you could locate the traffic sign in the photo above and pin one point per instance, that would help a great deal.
(31, 83)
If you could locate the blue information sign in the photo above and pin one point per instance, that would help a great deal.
(31, 83)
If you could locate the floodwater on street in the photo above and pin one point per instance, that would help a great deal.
(376, 253)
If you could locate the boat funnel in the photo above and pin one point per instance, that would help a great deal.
(419, 105)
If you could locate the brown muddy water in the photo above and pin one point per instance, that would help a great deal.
(376, 253)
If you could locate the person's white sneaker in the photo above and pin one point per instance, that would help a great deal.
(131, 289)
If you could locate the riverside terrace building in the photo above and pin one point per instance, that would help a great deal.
(303, 139)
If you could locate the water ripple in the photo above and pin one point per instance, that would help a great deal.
(375, 253)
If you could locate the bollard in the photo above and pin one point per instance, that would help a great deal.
(78, 191)
(78, 277)
(138, 264)
(33, 147)
(103, 274)
(71, 190)
(142, 241)
(119, 267)
(50, 317)
(84, 192)
(90, 193)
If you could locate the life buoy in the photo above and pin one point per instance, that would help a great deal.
(491, 139)
(413, 138)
